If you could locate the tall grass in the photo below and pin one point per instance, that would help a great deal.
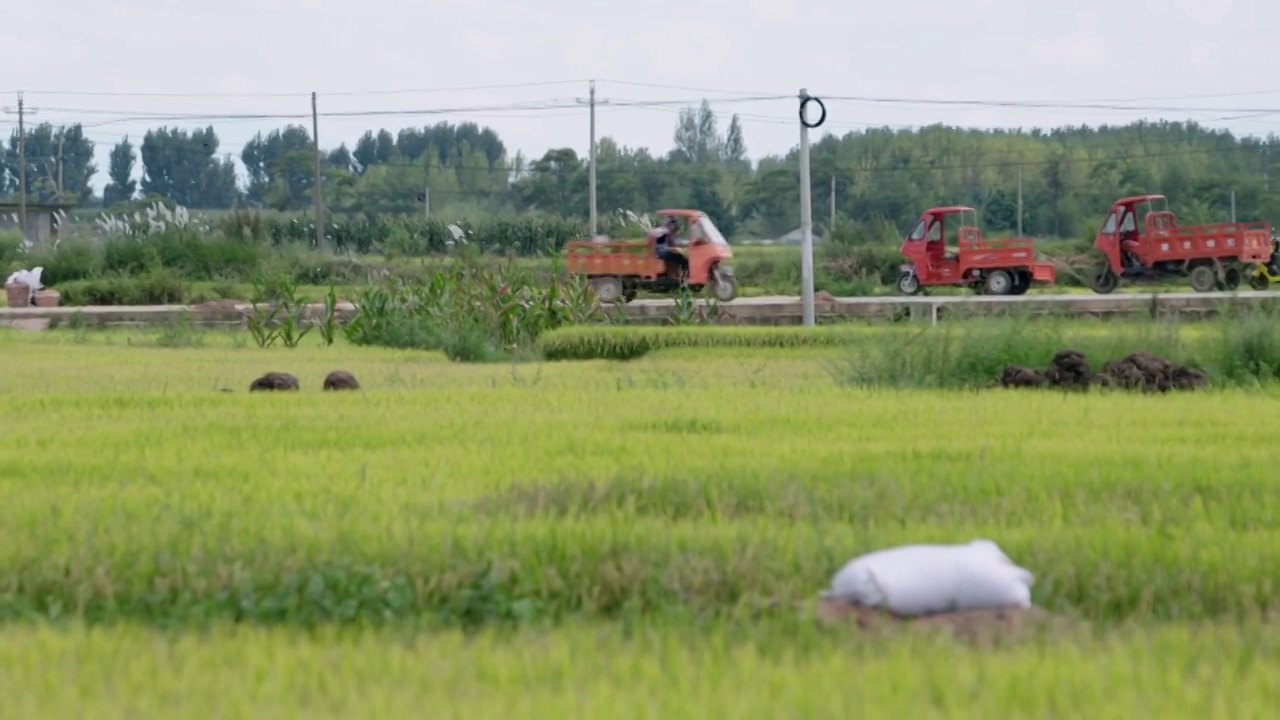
(695, 670)
(974, 352)
(1238, 349)
(626, 343)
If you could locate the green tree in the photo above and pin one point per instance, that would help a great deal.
(122, 187)
(53, 154)
(183, 167)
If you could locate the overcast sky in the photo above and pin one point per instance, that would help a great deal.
(102, 63)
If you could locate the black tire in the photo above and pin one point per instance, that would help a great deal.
(1021, 282)
(1104, 280)
(1258, 281)
(1231, 278)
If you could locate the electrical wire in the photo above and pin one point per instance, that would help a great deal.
(632, 83)
(346, 93)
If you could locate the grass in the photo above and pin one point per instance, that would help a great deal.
(628, 538)
(589, 672)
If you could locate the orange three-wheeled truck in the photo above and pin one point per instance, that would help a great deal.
(996, 266)
(1141, 239)
(621, 268)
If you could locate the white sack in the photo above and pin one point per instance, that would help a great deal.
(30, 278)
(926, 579)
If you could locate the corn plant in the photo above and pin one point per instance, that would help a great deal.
(473, 302)
(263, 324)
(328, 322)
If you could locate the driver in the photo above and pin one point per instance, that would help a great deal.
(1275, 257)
(665, 240)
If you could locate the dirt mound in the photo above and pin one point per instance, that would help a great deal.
(967, 624)
(1068, 369)
(1143, 371)
(275, 381)
(341, 380)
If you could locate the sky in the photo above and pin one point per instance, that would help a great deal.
(403, 63)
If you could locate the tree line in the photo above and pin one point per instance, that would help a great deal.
(882, 177)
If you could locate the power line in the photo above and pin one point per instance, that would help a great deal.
(630, 83)
(347, 93)
(1027, 104)
(535, 105)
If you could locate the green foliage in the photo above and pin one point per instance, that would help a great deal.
(412, 236)
(44, 141)
(1248, 347)
(156, 286)
(11, 251)
(184, 250)
(279, 313)
(475, 310)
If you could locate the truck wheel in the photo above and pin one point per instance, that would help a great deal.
(1021, 283)
(999, 282)
(1104, 280)
(724, 288)
(1203, 278)
(1231, 279)
(1258, 281)
(908, 283)
(608, 289)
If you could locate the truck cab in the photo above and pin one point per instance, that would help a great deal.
(1130, 224)
(997, 266)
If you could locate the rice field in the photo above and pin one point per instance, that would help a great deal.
(588, 539)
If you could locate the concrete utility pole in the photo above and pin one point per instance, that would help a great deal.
(315, 139)
(22, 113)
(806, 207)
(591, 172)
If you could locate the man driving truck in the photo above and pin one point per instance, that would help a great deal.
(665, 240)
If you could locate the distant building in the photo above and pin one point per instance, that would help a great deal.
(43, 220)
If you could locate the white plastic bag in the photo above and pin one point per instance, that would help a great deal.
(926, 579)
(30, 278)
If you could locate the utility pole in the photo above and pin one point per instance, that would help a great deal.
(315, 139)
(591, 172)
(1233, 204)
(61, 139)
(1019, 201)
(426, 203)
(831, 228)
(806, 216)
(22, 112)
